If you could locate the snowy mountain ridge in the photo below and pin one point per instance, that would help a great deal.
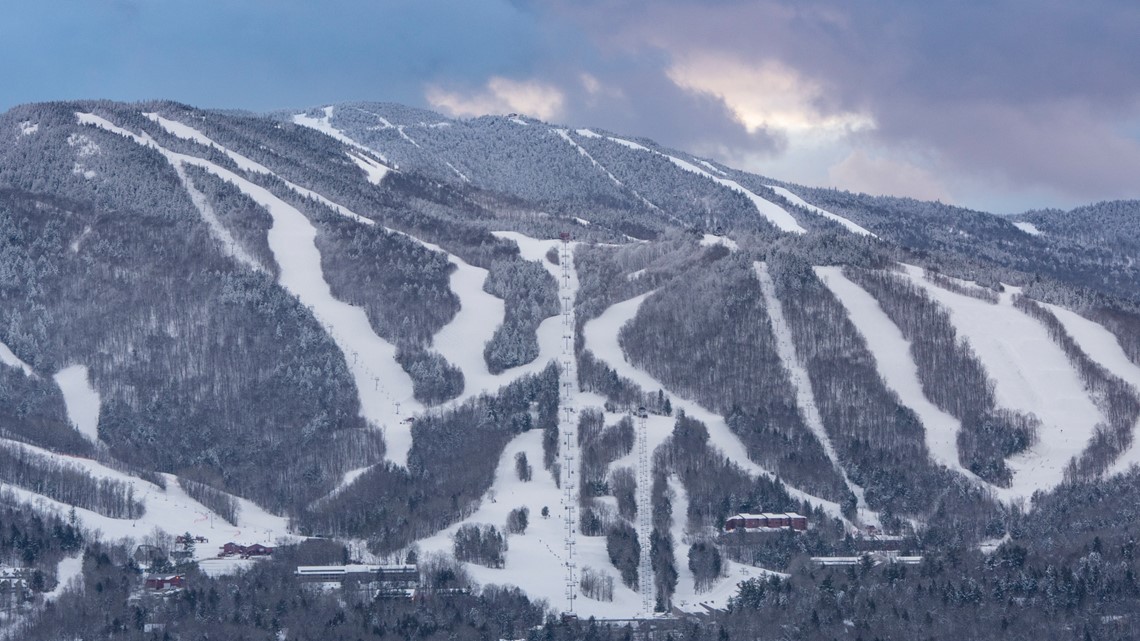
(439, 323)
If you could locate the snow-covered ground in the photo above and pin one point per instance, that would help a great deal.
(80, 399)
(381, 383)
(801, 383)
(170, 510)
(323, 124)
(1031, 375)
(9, 358)
(1102, 347)
(895, 364)
(1028, 228)
(846, 222)
(768, 209)
(601, 336)
(68, 572)
(710, 240)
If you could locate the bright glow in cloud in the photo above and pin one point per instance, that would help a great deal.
(876, 175)
(765, 95)
(500, 95)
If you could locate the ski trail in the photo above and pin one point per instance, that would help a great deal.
(381, 383)
(801, 382)
(601, 336)
(9, 358)
(324, 125)
(678, 527)
(565, 135)
(1031, 375)
(846, 222)
(767, 209)
(1104, 349)
(894, 363)
(80, 400)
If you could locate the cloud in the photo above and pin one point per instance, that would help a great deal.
(500, 95)
(880, 175)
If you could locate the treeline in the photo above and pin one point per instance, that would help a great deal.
(391, 507)
(952, 377)
(530, 294)
(1116, 399)
(69, 484)
(32, 539)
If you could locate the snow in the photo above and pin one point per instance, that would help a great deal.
(1031, 375)
(170, 510)
(565, 135)
(69, 573)
(518, 121)
(711, 167)
(601, 336)
(801, 383)
(710, 240)
(27, 128)
(457, 172)
(186, 132)
(1103, 347)
(896, 366)
(769, 210)
(586, 133)
(80, 399)
(534, 560)
(324, 125)
(219, 231)
(381, 383)
(1028, 228)
(9, 358)
(582, 221)
(796, 200)
(635, 275)
(373, 170)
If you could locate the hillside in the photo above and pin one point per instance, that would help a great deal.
(378, 325)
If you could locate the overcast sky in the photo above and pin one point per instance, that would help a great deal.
(1003, 106)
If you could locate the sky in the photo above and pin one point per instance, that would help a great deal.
(1003, 106)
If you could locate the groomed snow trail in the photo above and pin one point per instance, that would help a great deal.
(324, 125)
(80, 399)
(895, 364)
(601, 336)
(768, 209)
(1031, 375)
(565, 135)
(801, 382)
(9, 358)
(170, 510)
(1103, 347)
(846, 222)
(381, 383)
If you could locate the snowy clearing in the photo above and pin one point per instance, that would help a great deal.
(1028, 228)
(9, 358)
(324, 125)
(710, 240)
(769, 210)
(373, 170)
(1031, 375)
(68, 572)
(801, 383)
(796, 200)
(586, 133)
(27, 128)
(896, 366)
(80, 399)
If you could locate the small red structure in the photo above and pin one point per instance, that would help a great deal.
(258, 549)
(164, 581)
(564, 236)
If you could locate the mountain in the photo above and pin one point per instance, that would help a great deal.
(499, 344)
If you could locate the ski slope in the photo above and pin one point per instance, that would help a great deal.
(768, 209)
(601, 336)
(1103, 347)
(80, 400)
(896, 366)
(323, 124)
(800, 202)
(711, 240)
(1028, 228)
(9, 358)
(801, 383)
(1031, 375)
(170, 510)
(380, 381)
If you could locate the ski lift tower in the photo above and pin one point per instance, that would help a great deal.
(568, 422)
(644, 516)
